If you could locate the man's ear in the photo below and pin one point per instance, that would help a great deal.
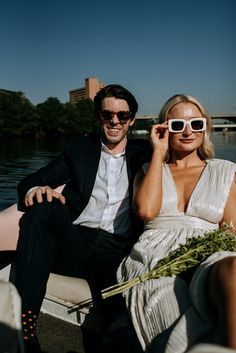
(132, 122)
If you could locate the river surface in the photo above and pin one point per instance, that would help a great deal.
(19, 157)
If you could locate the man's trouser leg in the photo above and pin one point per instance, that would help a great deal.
(43, 229)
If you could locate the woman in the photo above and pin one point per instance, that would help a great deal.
(182, 193)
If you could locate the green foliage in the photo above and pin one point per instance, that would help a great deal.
(18, 117)
(52, 114)
(87, 118)
(142, 125)
(190, 254)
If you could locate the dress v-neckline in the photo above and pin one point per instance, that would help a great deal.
(194, 189)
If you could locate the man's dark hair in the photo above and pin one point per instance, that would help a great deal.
(116, 91)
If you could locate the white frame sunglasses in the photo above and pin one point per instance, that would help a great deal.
(190, 123)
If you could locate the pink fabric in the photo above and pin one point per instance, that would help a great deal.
(9, 228)
(9, 219)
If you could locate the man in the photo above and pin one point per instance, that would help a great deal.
(88, 229)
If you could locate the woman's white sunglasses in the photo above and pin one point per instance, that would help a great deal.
(195, 124)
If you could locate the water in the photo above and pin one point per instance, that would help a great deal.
(19, 157)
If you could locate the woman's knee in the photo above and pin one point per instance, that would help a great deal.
(222, 290)
(222, 280)
(224, 271)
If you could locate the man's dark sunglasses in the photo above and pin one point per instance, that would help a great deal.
(123, 116)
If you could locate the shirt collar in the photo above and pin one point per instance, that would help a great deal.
(105, 149)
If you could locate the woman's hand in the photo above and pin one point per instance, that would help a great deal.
(147, 198)
(38, 192)
(159, 137)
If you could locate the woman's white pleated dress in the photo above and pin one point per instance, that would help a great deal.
(167, 313)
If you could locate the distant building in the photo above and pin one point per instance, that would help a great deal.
(92, 86)
(6, 91)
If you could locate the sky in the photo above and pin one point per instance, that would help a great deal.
(154, 48)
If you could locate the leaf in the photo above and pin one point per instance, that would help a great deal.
(190, 254)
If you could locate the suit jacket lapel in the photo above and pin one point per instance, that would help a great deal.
(90, 165)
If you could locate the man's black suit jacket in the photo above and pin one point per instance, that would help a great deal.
(77, 168)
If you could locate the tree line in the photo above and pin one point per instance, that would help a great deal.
(19, 117)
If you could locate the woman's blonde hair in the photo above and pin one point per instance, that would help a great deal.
(206, 150)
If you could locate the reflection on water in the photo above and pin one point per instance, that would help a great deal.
(19, 157)
(225, 145)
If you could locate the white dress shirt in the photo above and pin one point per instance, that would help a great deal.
(109, 205)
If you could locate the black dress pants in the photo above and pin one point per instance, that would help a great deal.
(121, 336)
(49, 242)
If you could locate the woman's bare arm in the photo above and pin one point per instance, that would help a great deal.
(148, 187)
(230, 208)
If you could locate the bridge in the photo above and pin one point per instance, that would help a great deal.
(220, 121)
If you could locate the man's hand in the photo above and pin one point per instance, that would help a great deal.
(38, 192)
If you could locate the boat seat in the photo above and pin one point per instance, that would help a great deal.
(67, 298)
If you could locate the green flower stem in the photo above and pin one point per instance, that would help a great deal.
(190, 254)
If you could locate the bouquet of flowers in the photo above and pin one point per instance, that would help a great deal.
(190, 254)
